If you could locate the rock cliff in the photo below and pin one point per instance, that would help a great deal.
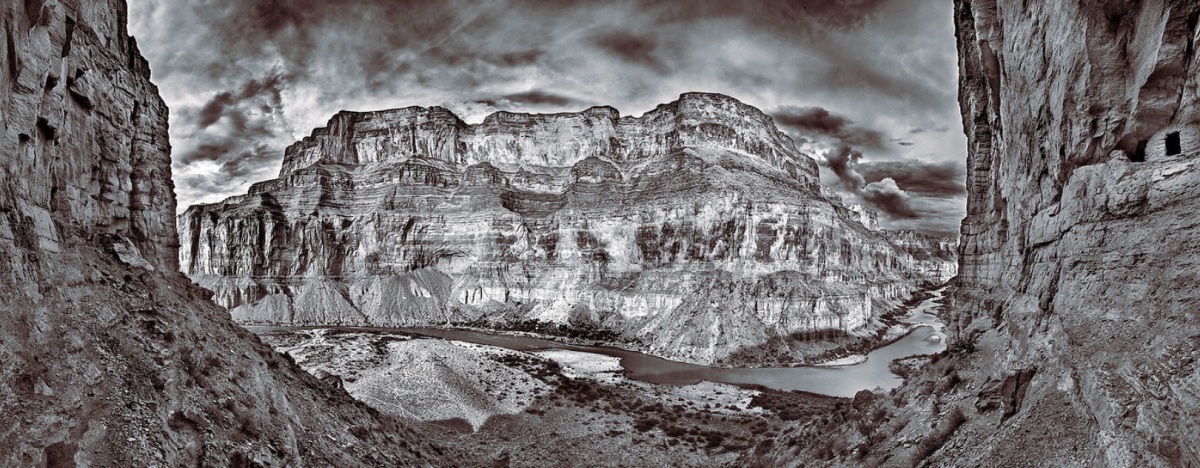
(108, 356)
(1076, 340)
(692, 231)
(1080, 244)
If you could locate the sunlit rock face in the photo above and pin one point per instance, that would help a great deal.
(692, 231)
(1079, 255)
(109, 356)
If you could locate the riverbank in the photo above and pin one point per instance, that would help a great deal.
(897, 329)
(546, 404)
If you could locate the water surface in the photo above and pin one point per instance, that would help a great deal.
(843, 381)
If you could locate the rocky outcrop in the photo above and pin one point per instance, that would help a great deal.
(108, 356)
(691, 231)
(1075, 334)
(1079, 247)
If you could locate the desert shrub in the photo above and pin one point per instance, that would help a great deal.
(935, 440)
(952, 380)
(674, 431)
(963, 345)
(789, 406)
(927, 388)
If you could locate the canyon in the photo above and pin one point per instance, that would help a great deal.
(696, 232)
(1073, 338)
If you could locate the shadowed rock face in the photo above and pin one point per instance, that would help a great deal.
(693, 230)
(1076, 335)
(108, 356)
(1082, 263)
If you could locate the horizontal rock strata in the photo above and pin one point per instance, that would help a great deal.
(691, 231)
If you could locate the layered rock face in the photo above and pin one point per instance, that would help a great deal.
(108, 356)
(1077, 341)
(1080, 244)
(692, 231)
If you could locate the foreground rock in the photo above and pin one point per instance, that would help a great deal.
(1077, 341)
(691, 232)
(108, 357)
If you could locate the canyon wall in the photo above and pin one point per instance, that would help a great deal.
(108, 356)
(692, 231)
(1080, 243)
(1074, 336)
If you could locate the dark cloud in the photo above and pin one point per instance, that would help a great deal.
(529, 98)
(631, 48)
(903, 190)
(249, 161)
(210, 151)
(236, 165)
(256, 73)
(220, 105)
(886, 196)
(841, 161)
(539, 97)
(232, 123)
(820, 122)
(931, 179)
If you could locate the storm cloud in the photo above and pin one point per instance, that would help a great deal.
(529, 98)
(246, 78)
(841, 161)
(933, 179)
(890, 198)
(816, 122)
(883, 194)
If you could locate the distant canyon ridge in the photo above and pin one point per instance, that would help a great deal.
(696, 232)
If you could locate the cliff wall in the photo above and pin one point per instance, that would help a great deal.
(692, 231)
(1075, 339)
(1079, 247)
(108, 356)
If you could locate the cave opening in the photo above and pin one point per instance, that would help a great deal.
(1139, 154)
(1172, 143)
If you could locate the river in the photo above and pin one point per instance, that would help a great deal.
(842, 381)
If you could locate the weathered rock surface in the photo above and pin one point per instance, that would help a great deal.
(1077, 335)
(692, 231)
(1080, 244)
(108, 356)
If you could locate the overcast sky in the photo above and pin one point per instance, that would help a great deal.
(869, 86)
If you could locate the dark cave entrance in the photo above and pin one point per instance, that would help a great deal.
(1139, 155)
(1172, 143)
